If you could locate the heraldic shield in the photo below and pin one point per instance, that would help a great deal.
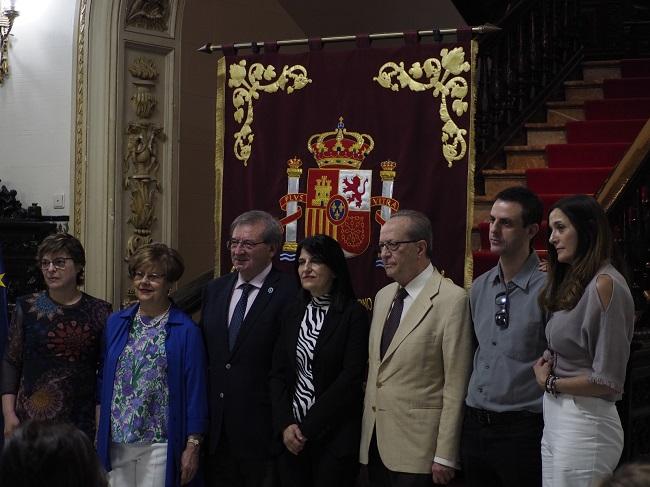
(338, 198)
(338, 205)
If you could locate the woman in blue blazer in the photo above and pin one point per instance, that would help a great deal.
(153, 411)
(319, 365)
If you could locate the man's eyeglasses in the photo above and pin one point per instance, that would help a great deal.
(393, 246)
(501, 316)
(153, 277)
(59, 263)
(247, 244)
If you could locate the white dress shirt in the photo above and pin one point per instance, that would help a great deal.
(256, 282)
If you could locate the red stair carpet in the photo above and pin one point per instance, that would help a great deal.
(594, 146)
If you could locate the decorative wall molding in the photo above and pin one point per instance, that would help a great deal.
(78, 182)
(148, 14)
(143, 100)
(141, 180)
(142, 150)
(125, 93)
(94, 140)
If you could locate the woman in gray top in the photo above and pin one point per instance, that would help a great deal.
(589, 335)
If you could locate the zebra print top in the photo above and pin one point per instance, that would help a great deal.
(312, 322)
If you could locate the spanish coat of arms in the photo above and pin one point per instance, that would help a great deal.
(338, 198)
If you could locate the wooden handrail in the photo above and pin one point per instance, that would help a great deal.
(618, 181)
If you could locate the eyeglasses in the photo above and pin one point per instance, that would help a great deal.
(393, 246)
(501, 316)
(59, 263)
(153, 277)
(247, 244)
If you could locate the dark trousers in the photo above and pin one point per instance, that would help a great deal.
(380, 476)
(224, 469)
(316, 466)
(501, 449)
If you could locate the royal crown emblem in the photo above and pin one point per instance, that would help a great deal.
(338, 196)
(340, 148)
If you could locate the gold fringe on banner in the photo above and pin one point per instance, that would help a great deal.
(471, 167)
(219, 161)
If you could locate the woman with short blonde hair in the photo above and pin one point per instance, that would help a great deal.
(153, 387)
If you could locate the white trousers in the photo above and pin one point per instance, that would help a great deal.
(138, 465)
(582, 440)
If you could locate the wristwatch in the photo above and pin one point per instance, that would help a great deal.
(194, 440)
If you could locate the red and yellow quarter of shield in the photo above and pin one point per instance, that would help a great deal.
(338, 204)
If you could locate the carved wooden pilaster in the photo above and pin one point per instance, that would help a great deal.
(141, 161)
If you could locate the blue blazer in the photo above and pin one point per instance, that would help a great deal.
(186, 378)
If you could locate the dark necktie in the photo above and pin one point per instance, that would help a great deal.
(392, 322)
(238, 315)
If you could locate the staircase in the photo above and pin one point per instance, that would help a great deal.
(574, 150)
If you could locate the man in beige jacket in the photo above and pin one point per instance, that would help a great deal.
(420, 358)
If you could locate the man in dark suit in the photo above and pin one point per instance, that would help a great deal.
(240, 323)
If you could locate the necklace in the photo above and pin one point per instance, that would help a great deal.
(154, 321)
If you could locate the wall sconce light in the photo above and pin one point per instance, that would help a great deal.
(7, 17)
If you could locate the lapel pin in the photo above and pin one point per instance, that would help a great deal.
(270, 290)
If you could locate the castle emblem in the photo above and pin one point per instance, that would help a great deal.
(338, 198)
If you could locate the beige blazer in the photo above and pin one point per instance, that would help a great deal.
(414, 396)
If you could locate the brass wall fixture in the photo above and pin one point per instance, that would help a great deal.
(7, 17)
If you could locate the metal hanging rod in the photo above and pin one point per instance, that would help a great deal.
(481, 29)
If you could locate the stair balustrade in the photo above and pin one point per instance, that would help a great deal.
(518, 67)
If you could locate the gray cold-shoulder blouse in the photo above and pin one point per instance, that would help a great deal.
(589, 340)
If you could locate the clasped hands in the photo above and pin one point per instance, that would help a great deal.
(293, 439)
(542, 369)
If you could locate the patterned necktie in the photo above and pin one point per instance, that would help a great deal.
(238, 315)
(392, 322)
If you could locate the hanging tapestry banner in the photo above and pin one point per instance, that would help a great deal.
(335, 142)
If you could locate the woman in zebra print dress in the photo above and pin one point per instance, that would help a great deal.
(319, 365)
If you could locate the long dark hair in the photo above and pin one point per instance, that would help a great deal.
(330, 253)
(566, 283)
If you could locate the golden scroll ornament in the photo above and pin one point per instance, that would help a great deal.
(248, 84)
(444, 77)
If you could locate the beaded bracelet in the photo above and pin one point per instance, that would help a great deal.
(550, 385)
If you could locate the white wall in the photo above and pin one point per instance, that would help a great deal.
(36, 104)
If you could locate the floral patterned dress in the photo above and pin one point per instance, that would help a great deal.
(52, 359)
(140, 393)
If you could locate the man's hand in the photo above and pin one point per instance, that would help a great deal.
(543, 266)
(293, 439)
(441, 474)
(189, 463)
(11, 423)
